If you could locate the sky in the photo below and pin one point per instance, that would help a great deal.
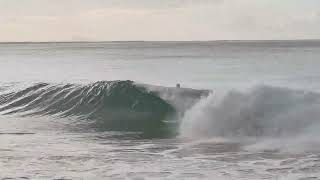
(158, 20)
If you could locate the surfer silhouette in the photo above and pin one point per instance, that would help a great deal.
(178, 85)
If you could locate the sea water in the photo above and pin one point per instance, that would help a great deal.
(110, 110)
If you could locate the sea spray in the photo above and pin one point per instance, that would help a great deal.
(263, 111)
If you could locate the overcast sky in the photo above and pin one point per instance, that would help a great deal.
(113, 20)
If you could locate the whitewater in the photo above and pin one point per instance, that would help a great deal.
(111, 110)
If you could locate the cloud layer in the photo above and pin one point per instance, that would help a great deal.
(98, 20)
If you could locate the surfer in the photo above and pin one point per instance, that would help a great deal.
(178, 85)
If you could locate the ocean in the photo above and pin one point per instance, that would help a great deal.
(112, 110)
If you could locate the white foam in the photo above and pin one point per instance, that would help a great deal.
(263, 111)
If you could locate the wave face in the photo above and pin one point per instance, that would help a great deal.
(261, 112)
(110, 105)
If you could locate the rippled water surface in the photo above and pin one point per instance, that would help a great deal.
(246, 110)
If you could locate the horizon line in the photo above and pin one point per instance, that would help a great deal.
(164, 41)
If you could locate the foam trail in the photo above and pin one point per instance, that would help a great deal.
(263, 111)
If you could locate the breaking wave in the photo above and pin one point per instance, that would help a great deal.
(263, 111)
(105, 105)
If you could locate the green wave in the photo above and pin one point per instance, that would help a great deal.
(106, 105)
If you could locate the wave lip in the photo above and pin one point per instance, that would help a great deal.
(106, 105)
